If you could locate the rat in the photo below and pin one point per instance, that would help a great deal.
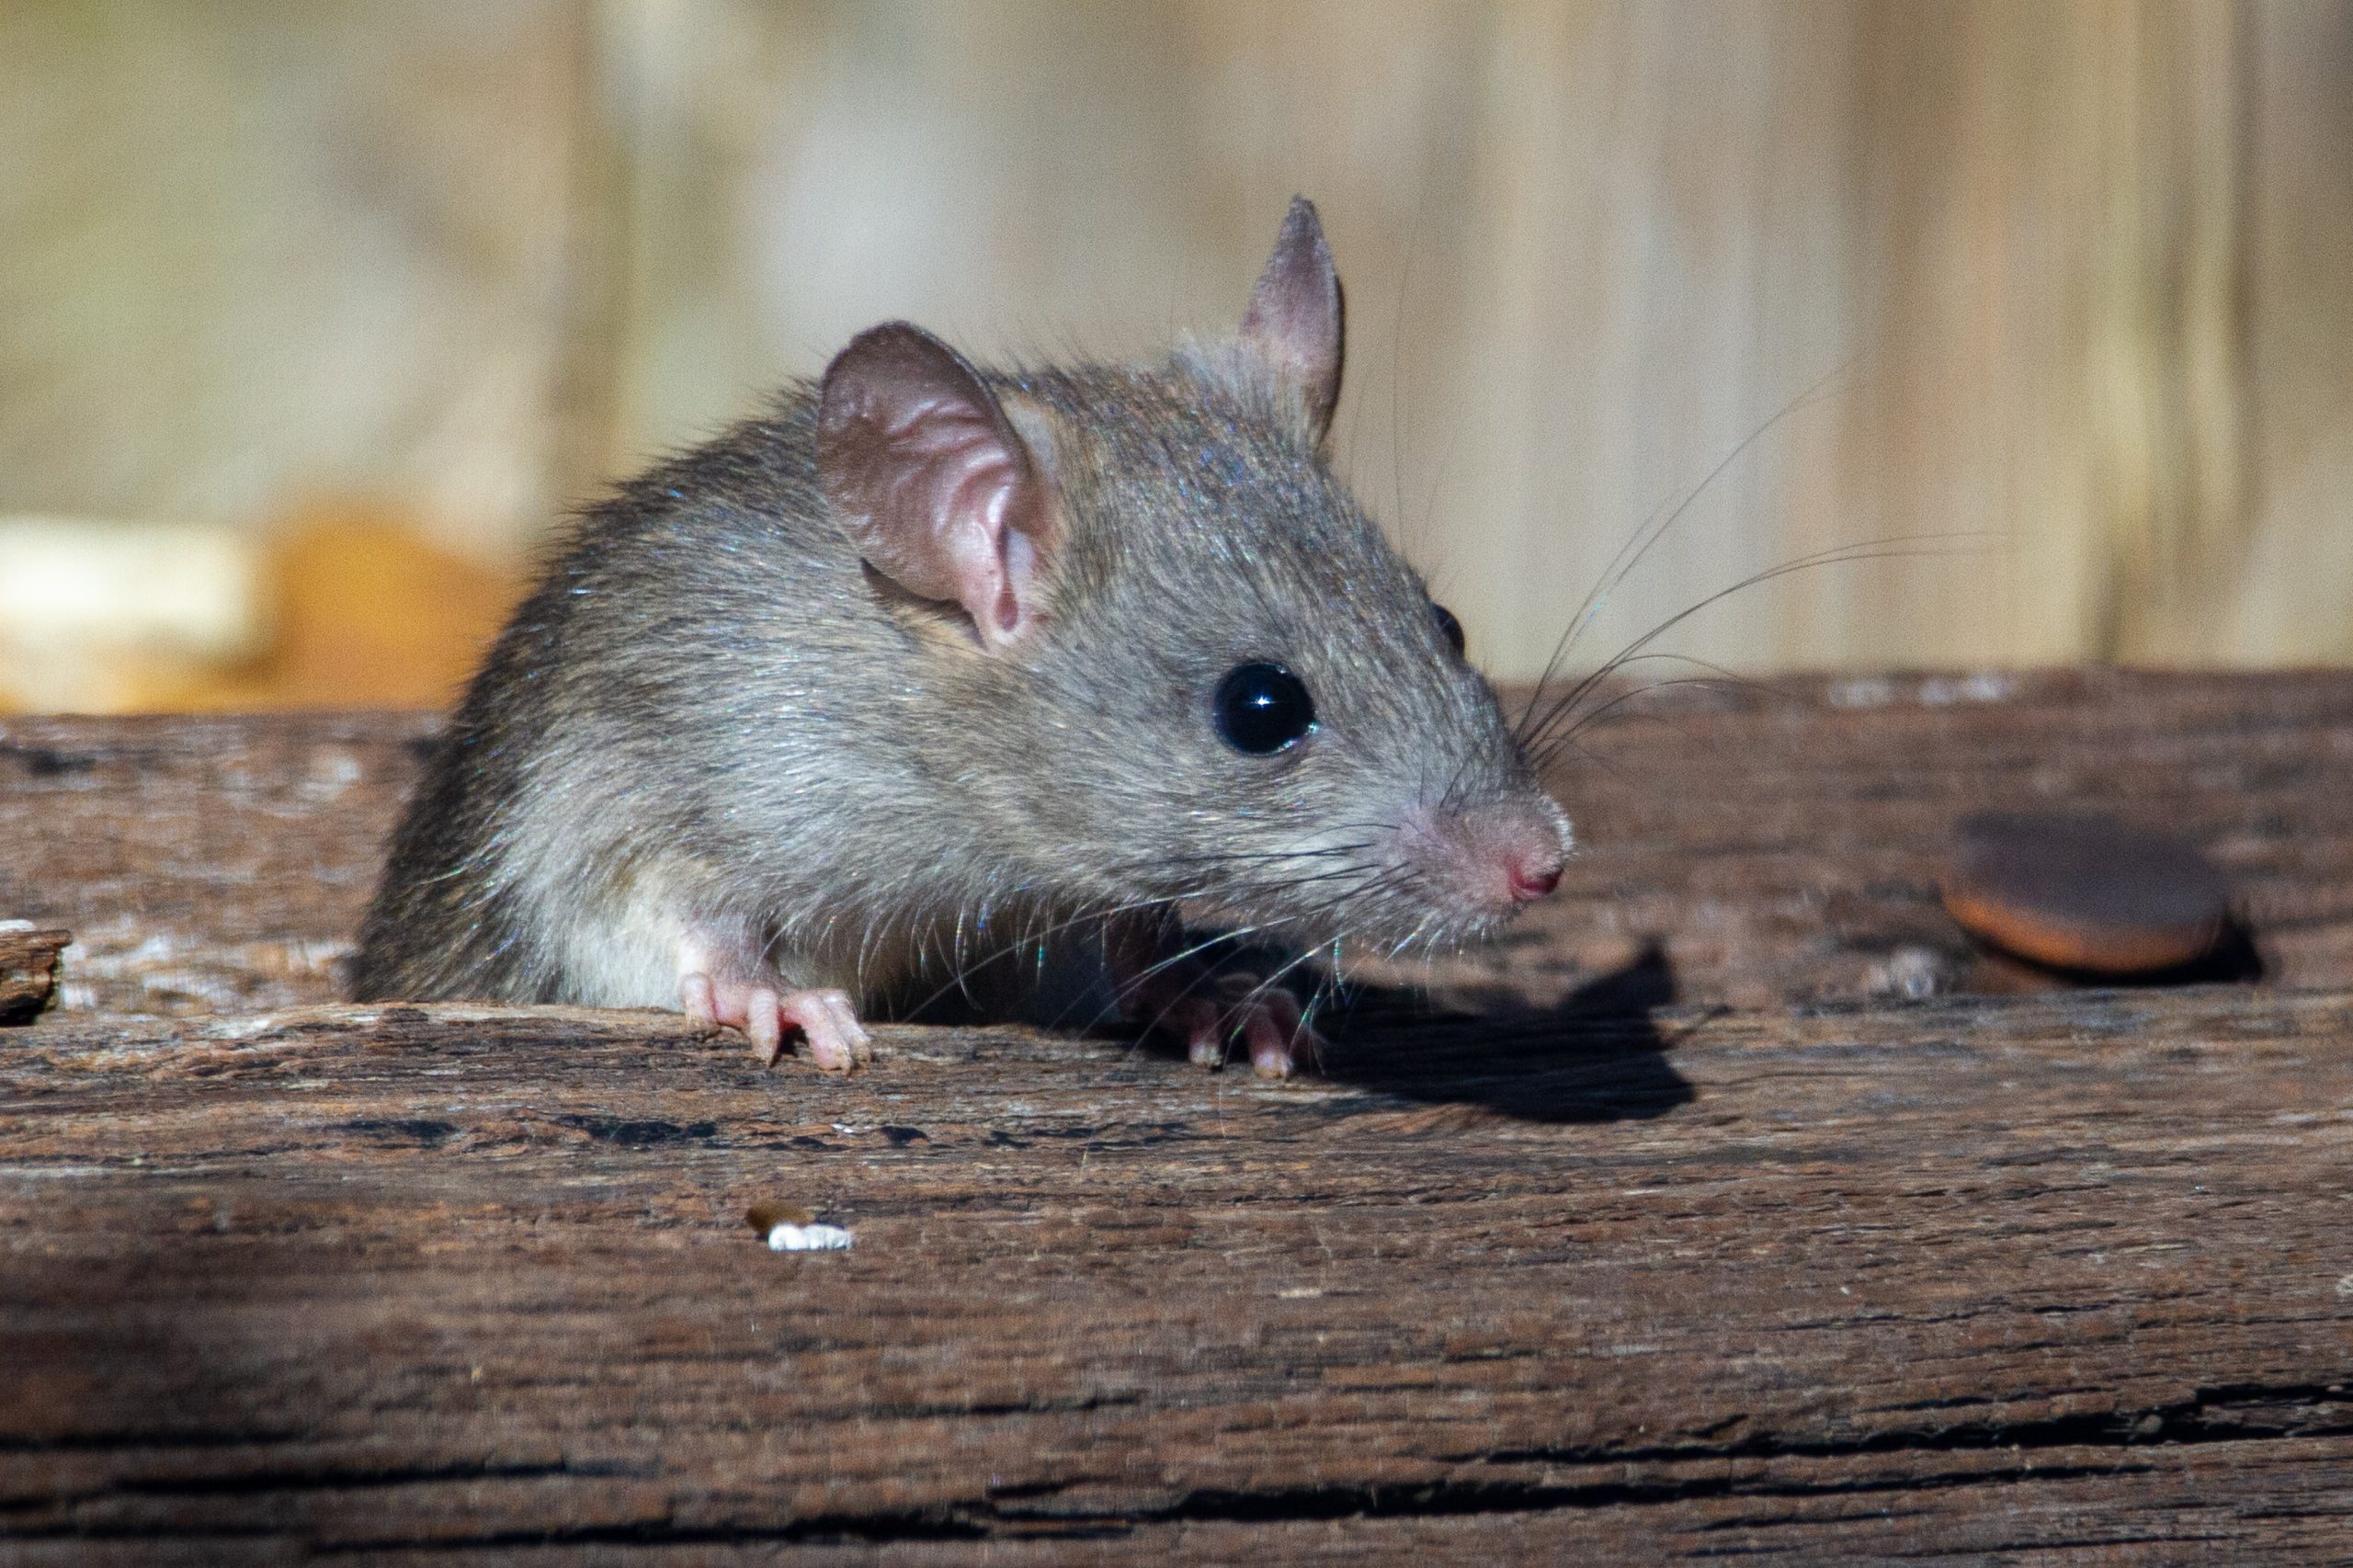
(928, 656)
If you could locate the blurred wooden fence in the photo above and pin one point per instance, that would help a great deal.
(2069, 281)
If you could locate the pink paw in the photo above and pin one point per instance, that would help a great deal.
(826, 1019)
(1265, 1019)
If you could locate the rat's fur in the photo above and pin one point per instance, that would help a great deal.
(710, 712)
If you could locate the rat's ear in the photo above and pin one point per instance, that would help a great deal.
(932, 483)
(1293, 325)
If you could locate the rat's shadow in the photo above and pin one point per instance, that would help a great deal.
(1596, 1056)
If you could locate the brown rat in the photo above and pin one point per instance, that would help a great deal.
(928, 657)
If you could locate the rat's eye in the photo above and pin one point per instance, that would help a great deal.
(1448, 628)
(1261, 708)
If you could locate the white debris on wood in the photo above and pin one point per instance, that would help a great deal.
(809, 1238)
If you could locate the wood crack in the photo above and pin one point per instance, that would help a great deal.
(2196, 1420)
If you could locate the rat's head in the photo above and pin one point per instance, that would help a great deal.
(1176, 661)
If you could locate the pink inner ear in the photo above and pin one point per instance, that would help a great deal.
(929, 479)
(1293, 325)
(953, 488)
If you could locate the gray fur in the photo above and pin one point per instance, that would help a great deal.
(710, 711)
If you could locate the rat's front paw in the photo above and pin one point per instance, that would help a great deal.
(826, 1019)
(1265, 1019)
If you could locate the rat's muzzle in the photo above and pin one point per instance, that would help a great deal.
(1482, 862)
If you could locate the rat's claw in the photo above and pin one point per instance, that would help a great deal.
(1265, 1019)
(1279, 1041)
(1182, 1000)
(1200, 1024)
(1268, 1027)
(826, 1019)
(838, 1041)
(763, 1025)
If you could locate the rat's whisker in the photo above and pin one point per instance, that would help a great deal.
(1036, 938)
(1896, 546)
(1640, 541)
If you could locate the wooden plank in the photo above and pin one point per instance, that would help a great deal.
(204, 864)
(2039, 1272)
(1770, 847)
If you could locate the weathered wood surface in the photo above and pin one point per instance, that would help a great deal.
(1944, 1278)
(203, 864)
(1776, 848)
(1793, 1266)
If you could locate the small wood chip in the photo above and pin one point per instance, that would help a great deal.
(2085, 892)
(769, 1213)
(27, 969)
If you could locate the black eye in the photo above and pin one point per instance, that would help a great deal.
(1262, 709)
(1447, 626)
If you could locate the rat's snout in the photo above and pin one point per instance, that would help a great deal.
(1488, 860)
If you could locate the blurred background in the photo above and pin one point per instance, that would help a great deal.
(315, 316)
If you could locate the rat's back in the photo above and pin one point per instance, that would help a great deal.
(592, 749)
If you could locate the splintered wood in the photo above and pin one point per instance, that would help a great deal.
(1701, 1238)
(27, 969)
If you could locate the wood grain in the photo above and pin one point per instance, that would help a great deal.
(1944, 1278)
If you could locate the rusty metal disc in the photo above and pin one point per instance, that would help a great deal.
(2086, 892)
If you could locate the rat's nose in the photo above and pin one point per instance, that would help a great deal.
(1533, 876)
(1489, 859)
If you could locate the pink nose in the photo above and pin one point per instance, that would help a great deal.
(1531, 880)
